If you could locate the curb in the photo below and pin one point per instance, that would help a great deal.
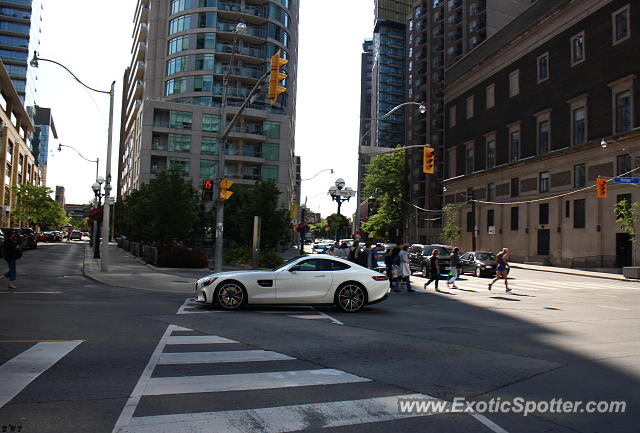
(556, 271)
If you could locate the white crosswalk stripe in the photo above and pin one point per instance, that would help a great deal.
(160, 381)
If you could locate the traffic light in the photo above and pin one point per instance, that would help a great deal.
(275, 89)
(225, 184)
(428, 160)
(601, 187)
(207, 189)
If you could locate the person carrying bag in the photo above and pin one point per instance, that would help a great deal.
(12, 252)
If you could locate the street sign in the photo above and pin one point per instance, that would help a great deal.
(345, 193)
(626, 180)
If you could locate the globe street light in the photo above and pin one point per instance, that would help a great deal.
(339, 193)
(96, 228)
(104, 262)
(421, 108)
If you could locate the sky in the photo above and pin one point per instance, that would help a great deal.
(93, 40)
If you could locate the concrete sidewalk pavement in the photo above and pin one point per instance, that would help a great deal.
(570, 271)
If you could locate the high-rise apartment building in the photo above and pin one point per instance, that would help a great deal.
(172, 95)
(440, 32)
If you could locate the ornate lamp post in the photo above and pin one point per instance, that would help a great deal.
(96, 187)
(339, 193)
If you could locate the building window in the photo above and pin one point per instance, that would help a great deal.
(621, 25)
(452, 116)
(515, 186)
(543, 181)
(210, 122)
(514, 143)
(179, 143)
(470, 107)
(180, 164)
(623, 111)
(205, 41)
(209, 146)
(543, 67)
(578, 125)
(543, 213)
(579, 176)
(271, 151)
(272, 129)
(623, 164)
(490, 218)
(543, 131)
(208, 169)
(515, 218)
(178, 44)
(514, 83)
(491, 95)
(269, 172)
(491, 192)
(203, 83)
(469, 158)
(567, 209)
(176, 86)
(452, 163)
(577, 49)
(491, 151)
(180, 119)
(470, 222)
(204, 62)
(579, 214)
(178, 64)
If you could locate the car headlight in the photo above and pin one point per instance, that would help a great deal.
(204, 282)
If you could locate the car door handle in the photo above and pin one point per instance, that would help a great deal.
(319, 276)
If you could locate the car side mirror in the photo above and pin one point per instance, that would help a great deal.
(294, 268)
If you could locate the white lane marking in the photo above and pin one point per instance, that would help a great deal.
(181, 328)
(20, 293)
(197, 339)
(333, 319)
(287, 418)
(613, 308)
(227, 356)
(248, 381)
(308, 316)
(190, 306)
(22, 369)
(132, 402)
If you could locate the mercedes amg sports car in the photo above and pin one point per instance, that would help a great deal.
(316, 279)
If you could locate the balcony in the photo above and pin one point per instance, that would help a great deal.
(140, 52)
(244, 51)
(237, 8)
(244, 72)
(254, 129)
(137, 71)
(251, 31)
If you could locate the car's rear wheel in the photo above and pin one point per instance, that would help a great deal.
(351, 297)
(478, 271)
(230, 295)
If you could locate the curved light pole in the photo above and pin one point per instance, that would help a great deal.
(104, 262)
(97, 161)
(422, 108)
(315, 175)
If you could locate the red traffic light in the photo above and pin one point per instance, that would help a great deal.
(207, 185)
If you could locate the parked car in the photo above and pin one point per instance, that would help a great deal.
(419, 258)
(317, 279)
(480, 263)
(57, 234)
(321, 248)
(75, 235)
(31, 238)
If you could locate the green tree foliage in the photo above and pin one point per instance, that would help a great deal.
(450, 227)
(383, 182)
(260, 199)
(627, 215)
(34, 206)
(163, 210)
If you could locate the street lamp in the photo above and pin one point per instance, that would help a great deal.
(339, 193)
(96, 228)
(421, 108)
(315, 175)
(60, 146)
(104, 262)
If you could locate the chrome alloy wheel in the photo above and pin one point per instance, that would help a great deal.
(230, 296)
(351, 298)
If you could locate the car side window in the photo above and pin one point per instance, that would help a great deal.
(338, 266)
(465, 256)
(308, 265)
(471, 257)
(316, 265)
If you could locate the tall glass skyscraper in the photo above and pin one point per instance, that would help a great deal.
(173, 88)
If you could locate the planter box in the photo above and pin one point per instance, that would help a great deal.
(631, 272)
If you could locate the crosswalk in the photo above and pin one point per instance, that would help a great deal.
(227, 396)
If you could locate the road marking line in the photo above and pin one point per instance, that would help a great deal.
(288, 418)
(227, 356)
(334, 320)
(197, 339)
(308, 316)
(37, 341)
(248, 381)
(181, 328)
(18, 293)
(21, 370)
(614, 308)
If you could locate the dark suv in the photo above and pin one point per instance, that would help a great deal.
(419, 258)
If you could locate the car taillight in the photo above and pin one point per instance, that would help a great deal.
(379, 277)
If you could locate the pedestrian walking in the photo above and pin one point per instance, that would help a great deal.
(11, 251)
(372, 257)
(388, 262)
(405, 269)
(333, 248)
(354, 253)
(502, 269)
(365, 256)
(395, 268)
(342, 252)
(434, 269)
(453, 268)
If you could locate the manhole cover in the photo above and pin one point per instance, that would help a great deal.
(457, 330)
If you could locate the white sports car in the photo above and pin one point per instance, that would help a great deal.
(317, 279)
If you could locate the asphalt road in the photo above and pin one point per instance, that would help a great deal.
(106, 359)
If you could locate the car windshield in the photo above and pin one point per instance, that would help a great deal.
(486, 256)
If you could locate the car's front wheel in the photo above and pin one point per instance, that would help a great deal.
(351, 297)
(230, 295)
(478, 271)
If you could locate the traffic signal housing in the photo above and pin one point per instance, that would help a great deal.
(207, 189)
(225, 184)
(601, 187)
(428, 160)
(275, 77)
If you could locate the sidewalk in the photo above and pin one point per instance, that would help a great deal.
(570, 271)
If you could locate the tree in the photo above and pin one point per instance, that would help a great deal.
(163, 210)
(383, 182)
(337, 224)
(450, 227)
(627, 215)
(260, 200)
(34, 206)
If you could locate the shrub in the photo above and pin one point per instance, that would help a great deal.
(239, 256)
(181, 257)
(270, 260)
